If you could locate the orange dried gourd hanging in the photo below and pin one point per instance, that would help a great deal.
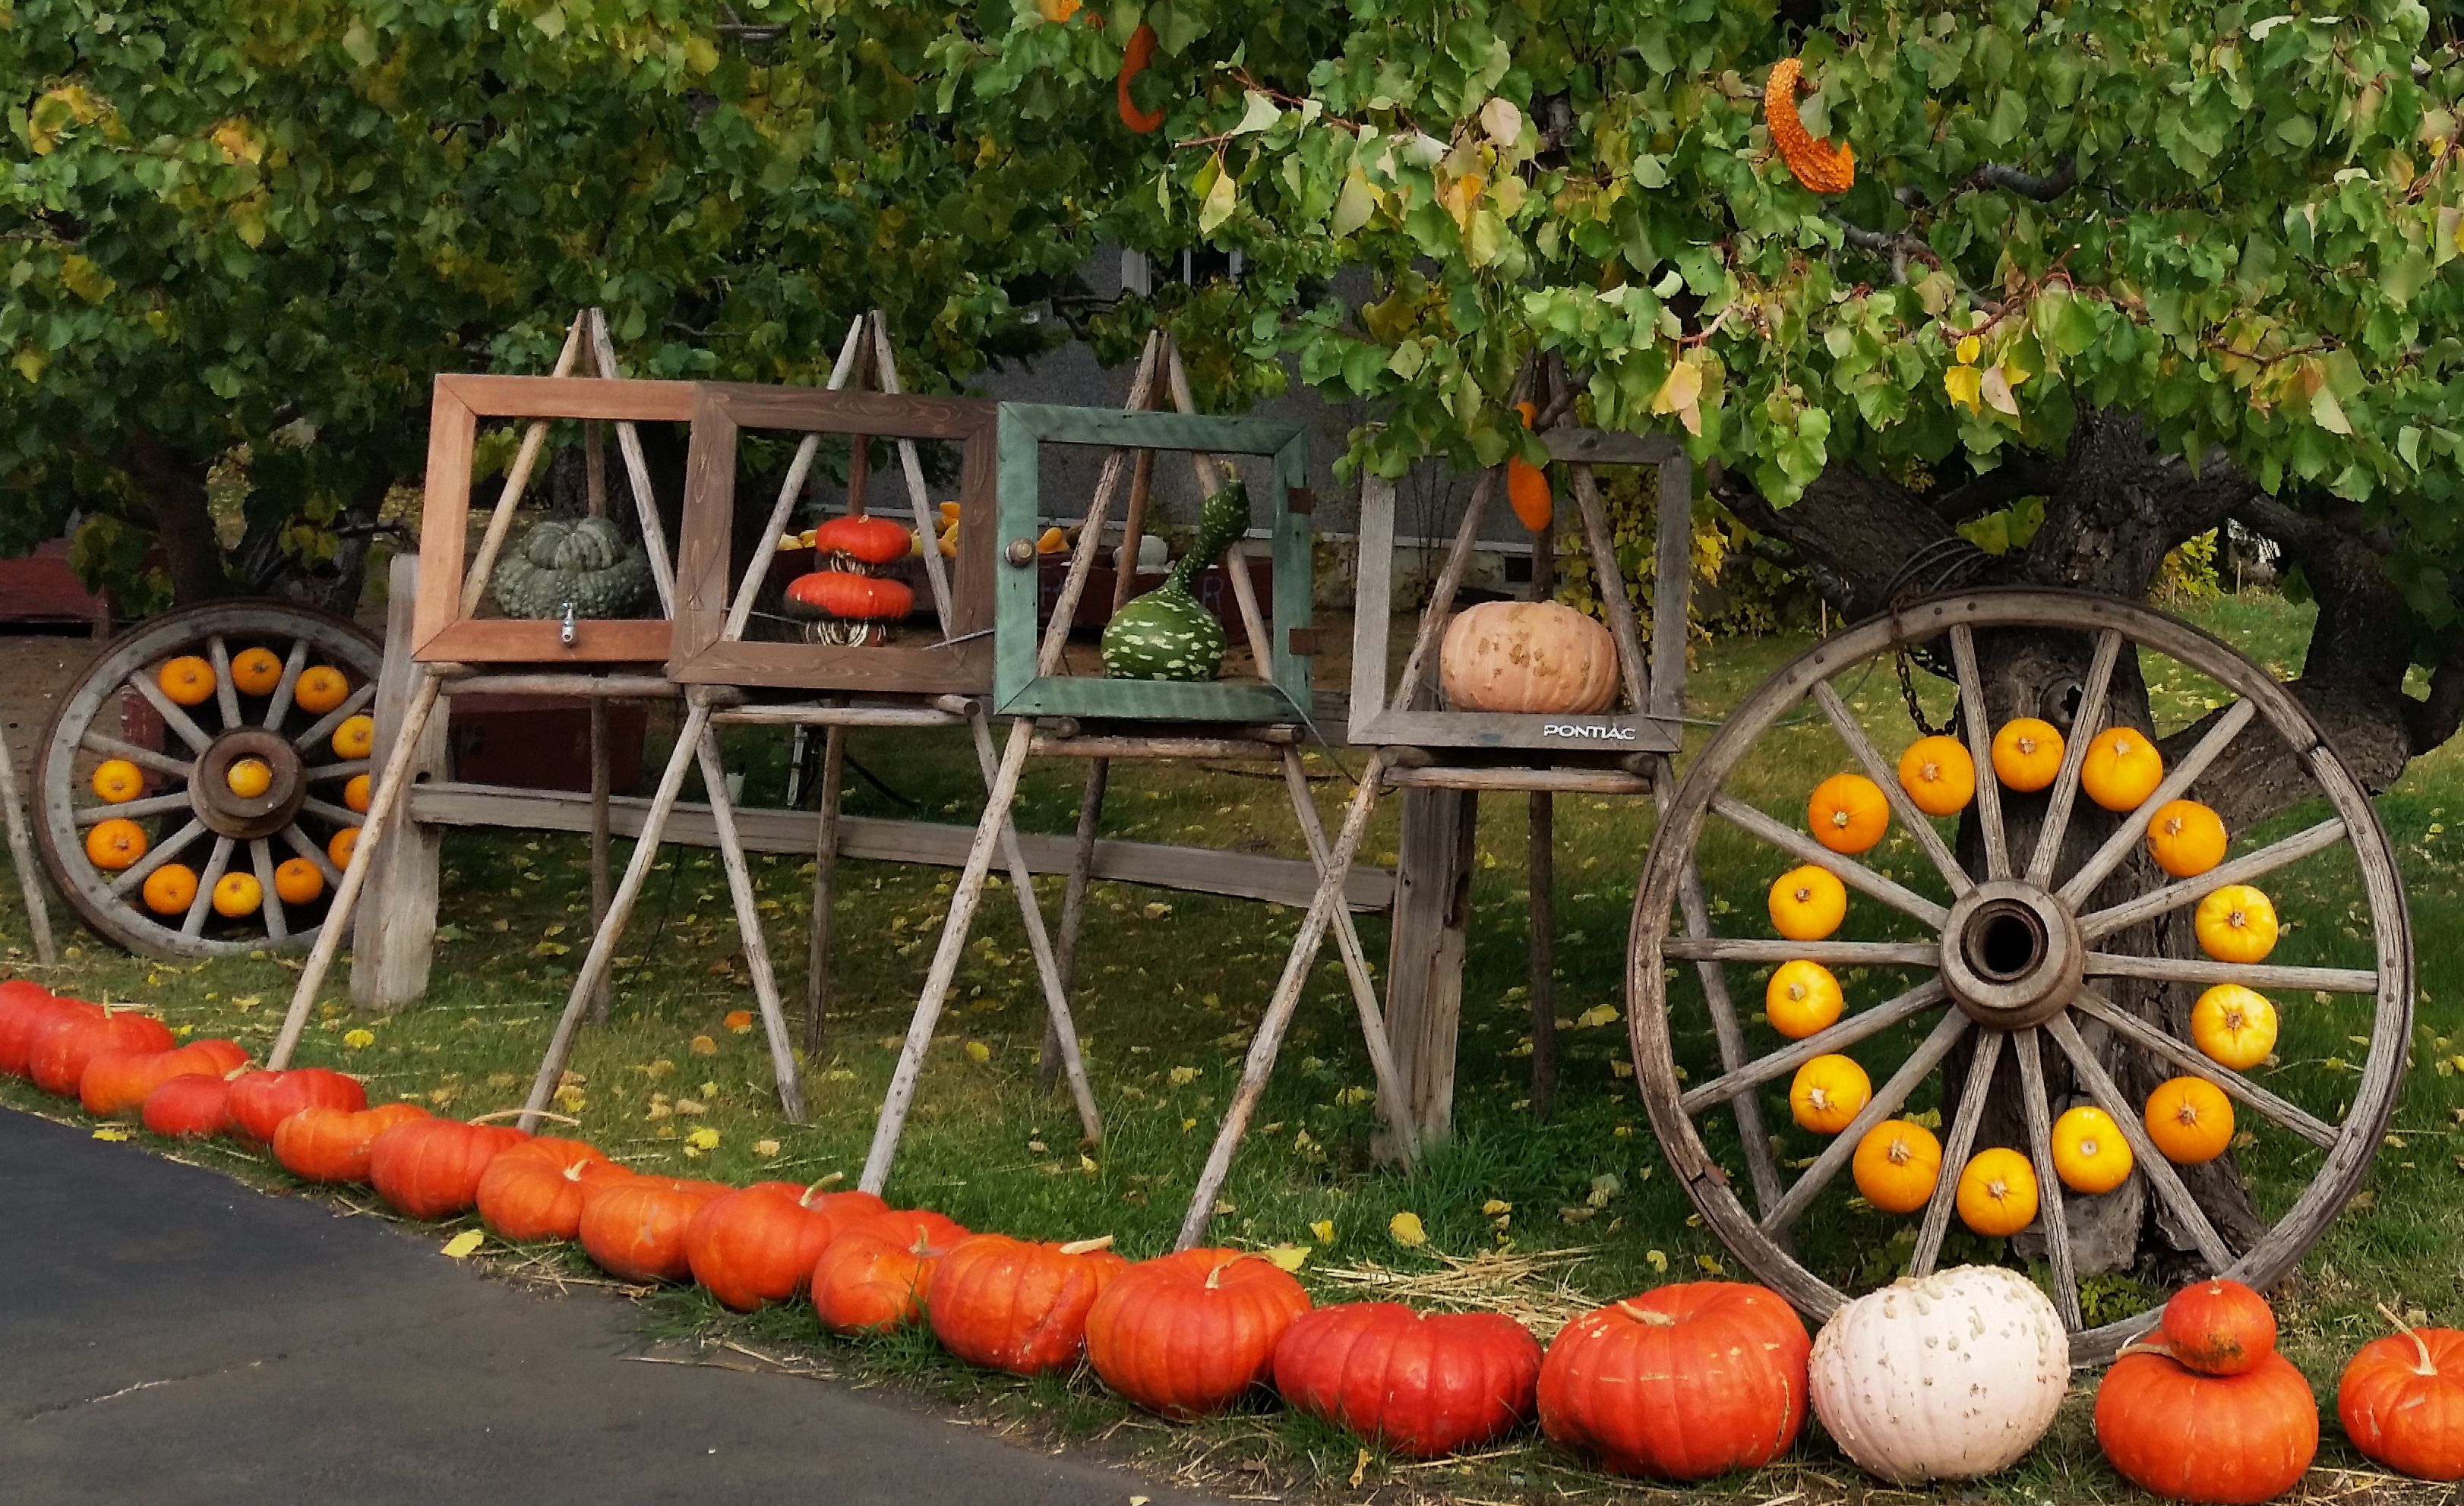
(1818, 165)
(1133, 63)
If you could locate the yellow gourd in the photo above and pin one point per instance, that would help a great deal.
(1808, 904)
(2122, 769)
(237, 894)
(1939, 776)
(118, 780)
(1818, 165)
(2090, 1154)
(2191, 1120)
(1827, 1093)
(2235, 924)
(1997, 1192)
(2027, 753)
(2186, 839)
(1848, 812)
(355, 793)
(355, 736)
(249, 777)
(1897, 1166)
(2235, 1026)
(1801, 998)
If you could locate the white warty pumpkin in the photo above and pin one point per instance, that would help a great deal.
(1947, 1378)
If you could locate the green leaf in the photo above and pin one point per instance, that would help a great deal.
(2329, 413)
(1354, 205)
(360, 44)
(1218, 204)
(1258, 113)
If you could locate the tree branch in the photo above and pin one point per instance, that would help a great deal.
(2026, 185)
(1858, 528)
(2025, 475)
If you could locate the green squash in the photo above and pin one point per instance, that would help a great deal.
(585, 564)
(1166, 634)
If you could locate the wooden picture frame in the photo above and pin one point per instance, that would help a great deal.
(460, 402)
(1378, 721)
(1281, 696)
(958, 662)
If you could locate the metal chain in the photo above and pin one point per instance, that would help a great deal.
(1946, 562)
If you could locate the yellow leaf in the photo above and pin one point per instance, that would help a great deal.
(1965, 384)
(765, 1147)
(1087, 1163)
(701, 56)
(1407, 1230)
(1680, 390)
(1289, 1257)
(1597, 1015)
(358, 1039)
(691, 1108)
(1621, 1067)
(1183, 1076)
(1969, 347)
(1710, 1267)
(111, 1132)
(1322, 1230)
(1659, 1261)
(702, 1046)
(1496, 1206)
(979, 1052)
(461, 1245)
(1997, 390)
(700, 1140)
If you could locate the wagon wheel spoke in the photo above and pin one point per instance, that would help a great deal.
(2254, 974)
(2133, 827)
(151, 805)
(1955, 1151)
(297, 840)
(1830, 954)
(324, 725)
(1885, 1101)
(1848, 870)
(2036, 1104)
(278, 925)
(173, 717)
(2157, 1042)
(1916, 823)
(2160, 1171)
(226, 693)
(1840, 1036)
(1980, 750)
(338, 815)
(111, 746)
(2085, 724)
(2098, 925)
(193, 922)
(335, 770)
(279, 704)
(129, 879)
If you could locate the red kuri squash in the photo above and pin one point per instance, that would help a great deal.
(261, 1100)
(1682, 1383)
(2219, 1327)
(877, 1274)
(430, 1168)
(1017, 1305)
(534, 1190)
(633, 1227)
(759, 1245)
(1188, 1333)
(1422, 1384)
(70, 1040)
(117, 1082)
(27, 1019)
(187, 1107)
(2402, 1403)
(2232, 1440)
(324, 1144)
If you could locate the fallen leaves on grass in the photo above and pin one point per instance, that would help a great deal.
(462, 1245)
(1406, 1230)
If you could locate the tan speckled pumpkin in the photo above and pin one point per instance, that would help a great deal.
(1526, 656)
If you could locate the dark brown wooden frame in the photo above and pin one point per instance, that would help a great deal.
(703, 654)
(461, 401)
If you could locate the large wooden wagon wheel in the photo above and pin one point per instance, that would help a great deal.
(2036, 961)
(229, 769)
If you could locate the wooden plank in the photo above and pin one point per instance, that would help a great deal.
(1373, 596)
(637, 400)
(1830, 954)
(1672, 592)
(1561, 781)
(445, 512)
(609, 686)
(507, 640)
(1601, 447)
(2253, 974)
(393, 936)
(21, 857)
(810, 715)
(1105, 748)
(1196, 870)
(1153, 429)
(1617, 731)
(1425, 956)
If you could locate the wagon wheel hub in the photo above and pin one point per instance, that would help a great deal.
(2012, 954)
(227, 813)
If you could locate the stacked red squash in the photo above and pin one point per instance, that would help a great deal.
(67, 1041)
(117, 1082)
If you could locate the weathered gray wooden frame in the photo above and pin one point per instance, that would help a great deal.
(1282, 695)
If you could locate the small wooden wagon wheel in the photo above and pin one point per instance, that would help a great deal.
(200, 746)
(2036, 963)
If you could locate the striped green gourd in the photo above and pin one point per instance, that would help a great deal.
(1166, 634)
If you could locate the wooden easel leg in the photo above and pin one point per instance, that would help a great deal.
(748, 926)
(1270, 1039)
(600, 782)
(1074, 905)
(946, 957)
(393, 937)
(1425, 961)
(384, 804)
(601, 956)
(21, 857)
(826, 864)
(1390, 1102)
(1542, 901)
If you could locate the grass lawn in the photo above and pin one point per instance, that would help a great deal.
(1169, 989)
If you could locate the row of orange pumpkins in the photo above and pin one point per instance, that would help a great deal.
(1952, 1377)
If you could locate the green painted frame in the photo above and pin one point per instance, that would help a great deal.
(1023, 429)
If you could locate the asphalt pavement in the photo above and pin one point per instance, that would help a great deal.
(170, 1335)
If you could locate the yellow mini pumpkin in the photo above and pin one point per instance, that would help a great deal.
(118, 780)
(355, 736)
(1897, 1166)
(1801, 998)
(2233, 1025)
(249, 777)
(1939, 774)
(188, 680)
(2090, 1154)
(1808, 904)
(1820, 164)
(2122, 769)
(321, 688)
(114, 844)
(297, 881)
(2186, 839)
(2235, 924)
(2027, 753)
(1997, 1192)
(355, 793)
(170, 889)
(1848, 814)
(237, 894)
(255, 671)
(1827, 1093)
(2191, 1120)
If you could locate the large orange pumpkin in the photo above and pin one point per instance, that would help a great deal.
(261, 1100)
(1527, 657)
(2402, 1403)
(430, 1168)
(2232, 1440)
(325, 1144)
(117, 1082)
(1189, 1333)
(1016, 1305)
(877, 1275)
(633, 1227)
(534, 1191)
(759, 1245)
(1682, 1383)
(63, 1047)
(188, 1107)
(1421, 1384)
(25, 1010)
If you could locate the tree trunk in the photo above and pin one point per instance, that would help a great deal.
(173, 483)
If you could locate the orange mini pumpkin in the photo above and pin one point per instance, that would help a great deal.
(1808, 904)
(298, 882)
(188, 680)
(1848, 812)
(2122, 769)
(2191, 1120)
(2027, 753)
(1820, 164)
(114, 844)
(2235, 1026)
(1897, 1166)
(1939, 774)
(2235, 923)
(257, 671)
(1997, 1192)
(118, 780)
(1801, 998)
(321, 688)
(2186, 839)
(170, 889)
(337, 851)
(1827, 1094)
